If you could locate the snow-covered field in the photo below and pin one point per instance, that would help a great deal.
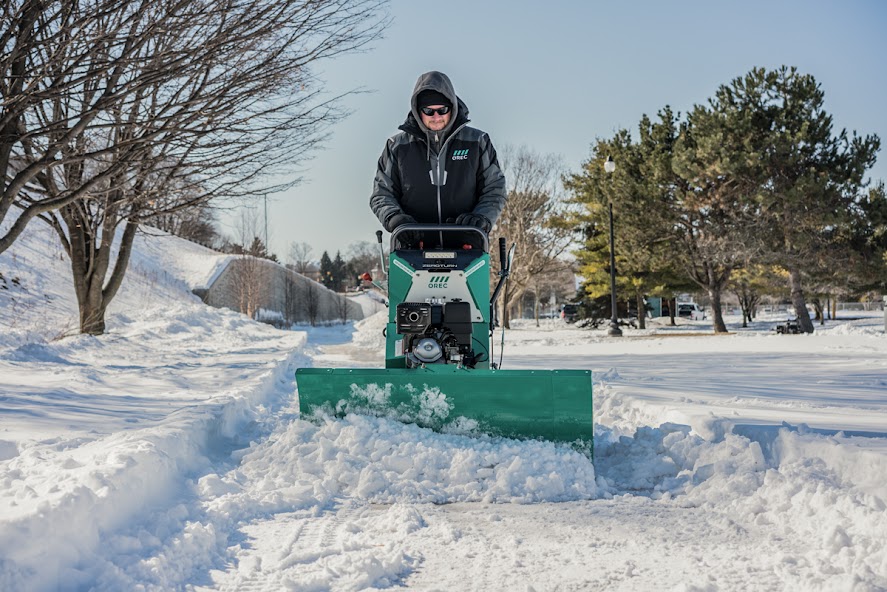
(169, 455)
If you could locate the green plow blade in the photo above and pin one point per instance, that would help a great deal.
(551, 405)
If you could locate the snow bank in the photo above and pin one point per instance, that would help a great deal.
(62, 498)
(824, 491)
(368, 332)
(370, 301)
(855, 328)
(194, 265)
(101, 436)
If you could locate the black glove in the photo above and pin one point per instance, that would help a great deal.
(407, 238)
(399, 220)
(475, 220)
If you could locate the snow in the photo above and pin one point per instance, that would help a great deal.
(168, 454)
(370, 301)
(197, 266)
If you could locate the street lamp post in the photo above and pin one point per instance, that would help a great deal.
(614, 330)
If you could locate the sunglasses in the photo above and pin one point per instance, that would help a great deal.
(440, 111)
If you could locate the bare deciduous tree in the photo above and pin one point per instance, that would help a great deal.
(196, 224)
(342, 308)
(558, 282)
(161, 107)
(65, 66)
(530, 220)
(250, 271)
(300, 257)
(362, 256)
(311, 302)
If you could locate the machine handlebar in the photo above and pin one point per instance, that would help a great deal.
(441, 228)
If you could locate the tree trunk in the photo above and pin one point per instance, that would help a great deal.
(818, 310)
(672, 305)
(92, 311)
(746, 313)
(311, 303)
(800, 305)
(343, 309)
(717, 315)
(642, 312)
(89, 267)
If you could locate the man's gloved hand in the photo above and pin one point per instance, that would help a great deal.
(475, 220)
(399, 220)
(407, 238)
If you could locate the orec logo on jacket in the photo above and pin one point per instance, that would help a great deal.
(460, 154)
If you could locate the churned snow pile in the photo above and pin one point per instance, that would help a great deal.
(370, 301)
(381, 461)
(169, 454)
(368, 332)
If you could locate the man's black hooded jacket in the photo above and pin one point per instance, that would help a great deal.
(435, 176)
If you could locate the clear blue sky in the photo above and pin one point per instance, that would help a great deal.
(556, 75)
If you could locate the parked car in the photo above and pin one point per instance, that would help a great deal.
(789, 327)
(570, 312)
(691, 311)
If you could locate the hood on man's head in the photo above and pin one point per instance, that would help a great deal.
(437, 82)
(429, 97)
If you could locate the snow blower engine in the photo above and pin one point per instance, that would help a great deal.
(435, 333)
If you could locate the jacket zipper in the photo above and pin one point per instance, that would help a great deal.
(442, 154)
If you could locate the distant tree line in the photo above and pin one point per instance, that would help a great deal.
(752, 193)
(342, 273)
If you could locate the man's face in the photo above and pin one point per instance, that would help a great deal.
(435, 122)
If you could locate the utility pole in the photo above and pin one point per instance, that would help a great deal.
(267, 248)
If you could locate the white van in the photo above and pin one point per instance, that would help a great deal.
(691, 310)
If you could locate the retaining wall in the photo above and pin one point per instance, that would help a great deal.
(277, 294)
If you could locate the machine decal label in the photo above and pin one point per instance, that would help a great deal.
(403, 267)
(438, 281)
(474, 268)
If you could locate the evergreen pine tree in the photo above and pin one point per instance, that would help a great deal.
(257, 248)
(340, 272)
(769, 134)
(327, 277)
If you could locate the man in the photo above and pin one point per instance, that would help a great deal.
(438, 170)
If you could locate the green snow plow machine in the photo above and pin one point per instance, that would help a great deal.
(439, 360)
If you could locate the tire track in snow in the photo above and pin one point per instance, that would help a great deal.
(342, 548)
(628, 544)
